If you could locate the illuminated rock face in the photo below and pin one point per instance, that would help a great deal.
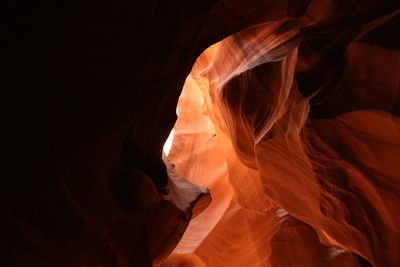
(289, 115)
(281, 120)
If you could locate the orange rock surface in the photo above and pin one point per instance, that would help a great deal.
(270, 151)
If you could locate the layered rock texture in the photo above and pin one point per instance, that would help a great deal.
(286, 146)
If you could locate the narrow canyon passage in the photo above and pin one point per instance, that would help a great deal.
(202, 133)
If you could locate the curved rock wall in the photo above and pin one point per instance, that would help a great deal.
(268, 115)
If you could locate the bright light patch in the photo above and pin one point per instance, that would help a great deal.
(168, 143)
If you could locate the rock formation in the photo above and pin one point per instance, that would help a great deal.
(286, 147)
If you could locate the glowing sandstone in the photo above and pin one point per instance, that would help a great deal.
(245, 127)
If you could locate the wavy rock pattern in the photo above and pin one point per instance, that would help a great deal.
(253, 121)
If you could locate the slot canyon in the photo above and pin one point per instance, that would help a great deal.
(189, 133)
